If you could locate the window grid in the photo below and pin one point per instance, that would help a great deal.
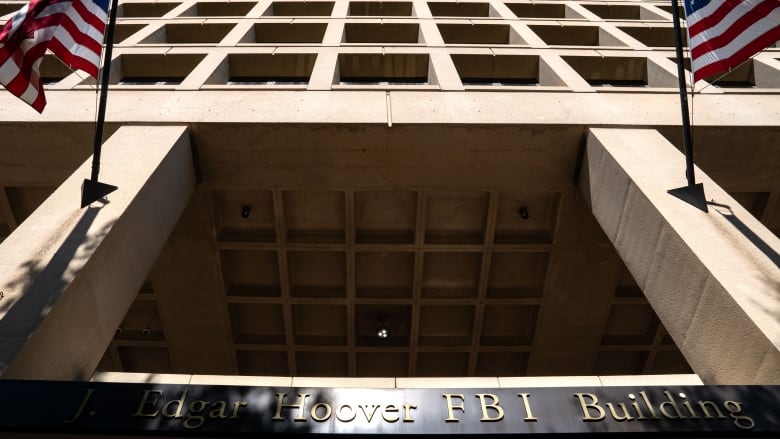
(399, 29)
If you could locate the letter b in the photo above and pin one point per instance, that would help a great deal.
(587, 407)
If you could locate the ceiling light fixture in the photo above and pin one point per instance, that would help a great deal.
(382, 332)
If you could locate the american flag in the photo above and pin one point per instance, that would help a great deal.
(725, 33)
(71, 29)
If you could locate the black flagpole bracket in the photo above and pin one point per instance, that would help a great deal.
(93, 190)
(693, 193)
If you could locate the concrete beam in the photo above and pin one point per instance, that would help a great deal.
(713, 278)
(69, 275)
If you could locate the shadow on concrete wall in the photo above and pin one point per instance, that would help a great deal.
(44, 282)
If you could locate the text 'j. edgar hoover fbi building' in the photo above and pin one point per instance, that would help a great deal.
(398, 218)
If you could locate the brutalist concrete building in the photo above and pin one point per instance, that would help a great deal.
(393, 195)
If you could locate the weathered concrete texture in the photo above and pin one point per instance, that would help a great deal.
(69, 275)
(713, 278)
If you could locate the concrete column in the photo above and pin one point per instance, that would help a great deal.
(713, 278)
(69, 275)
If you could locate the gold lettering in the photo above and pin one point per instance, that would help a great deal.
(367, 415)
(81, 407)
(408, 412)
(390, 409)
(193, 414)
(219, 411)
(179, 403)
(649, 405)
(735, 408)
(341, 409)
(529, 417)
(586, 407)
(670, 403)
(325, 416)
(635, 404)
(145, 400)
(280, 405)
(450, 416)
(494, 406)
(236, 406)
(704, 404)
(687, 405)
(624, 417)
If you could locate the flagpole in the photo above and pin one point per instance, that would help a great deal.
(92, 190)
(692, 193)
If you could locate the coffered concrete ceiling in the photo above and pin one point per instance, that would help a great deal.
(469, 243)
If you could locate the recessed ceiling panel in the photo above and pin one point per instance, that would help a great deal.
(314, 216)
(526, 217)
(384, 274)
(451, 274)
(456, 217)
(385, 216)
(250, 273)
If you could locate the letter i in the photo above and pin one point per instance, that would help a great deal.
(639, 414)
(687, 405)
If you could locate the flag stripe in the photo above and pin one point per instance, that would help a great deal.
(76, 38)
(722, 34)
(91, 14)
(711, 15)
(730, 41)
(71, 29)
(715, 66)
(727, 30)
(27, 83)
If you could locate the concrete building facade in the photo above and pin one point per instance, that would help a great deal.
(487, 180)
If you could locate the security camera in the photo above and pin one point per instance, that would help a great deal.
(523, 211)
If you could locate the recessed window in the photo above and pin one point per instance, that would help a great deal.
(615, 12)
(129, 10)
(379, 69)
(658, 36)
(52, 70)
(686, 62)
(538, 10)
(151, 80)
(742, 76)
(568, 35)
(152, 69)
(219, 9)
(497, 70)
(123, 30)
(385, 33)
(382, 8)
(610, 71)
(479, 34)
(265, 69)
(190, 33)
(297, 9)
(459, 9)
(286, 33)
(680, 9)
(7, 8)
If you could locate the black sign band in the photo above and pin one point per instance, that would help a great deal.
(195, 410)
